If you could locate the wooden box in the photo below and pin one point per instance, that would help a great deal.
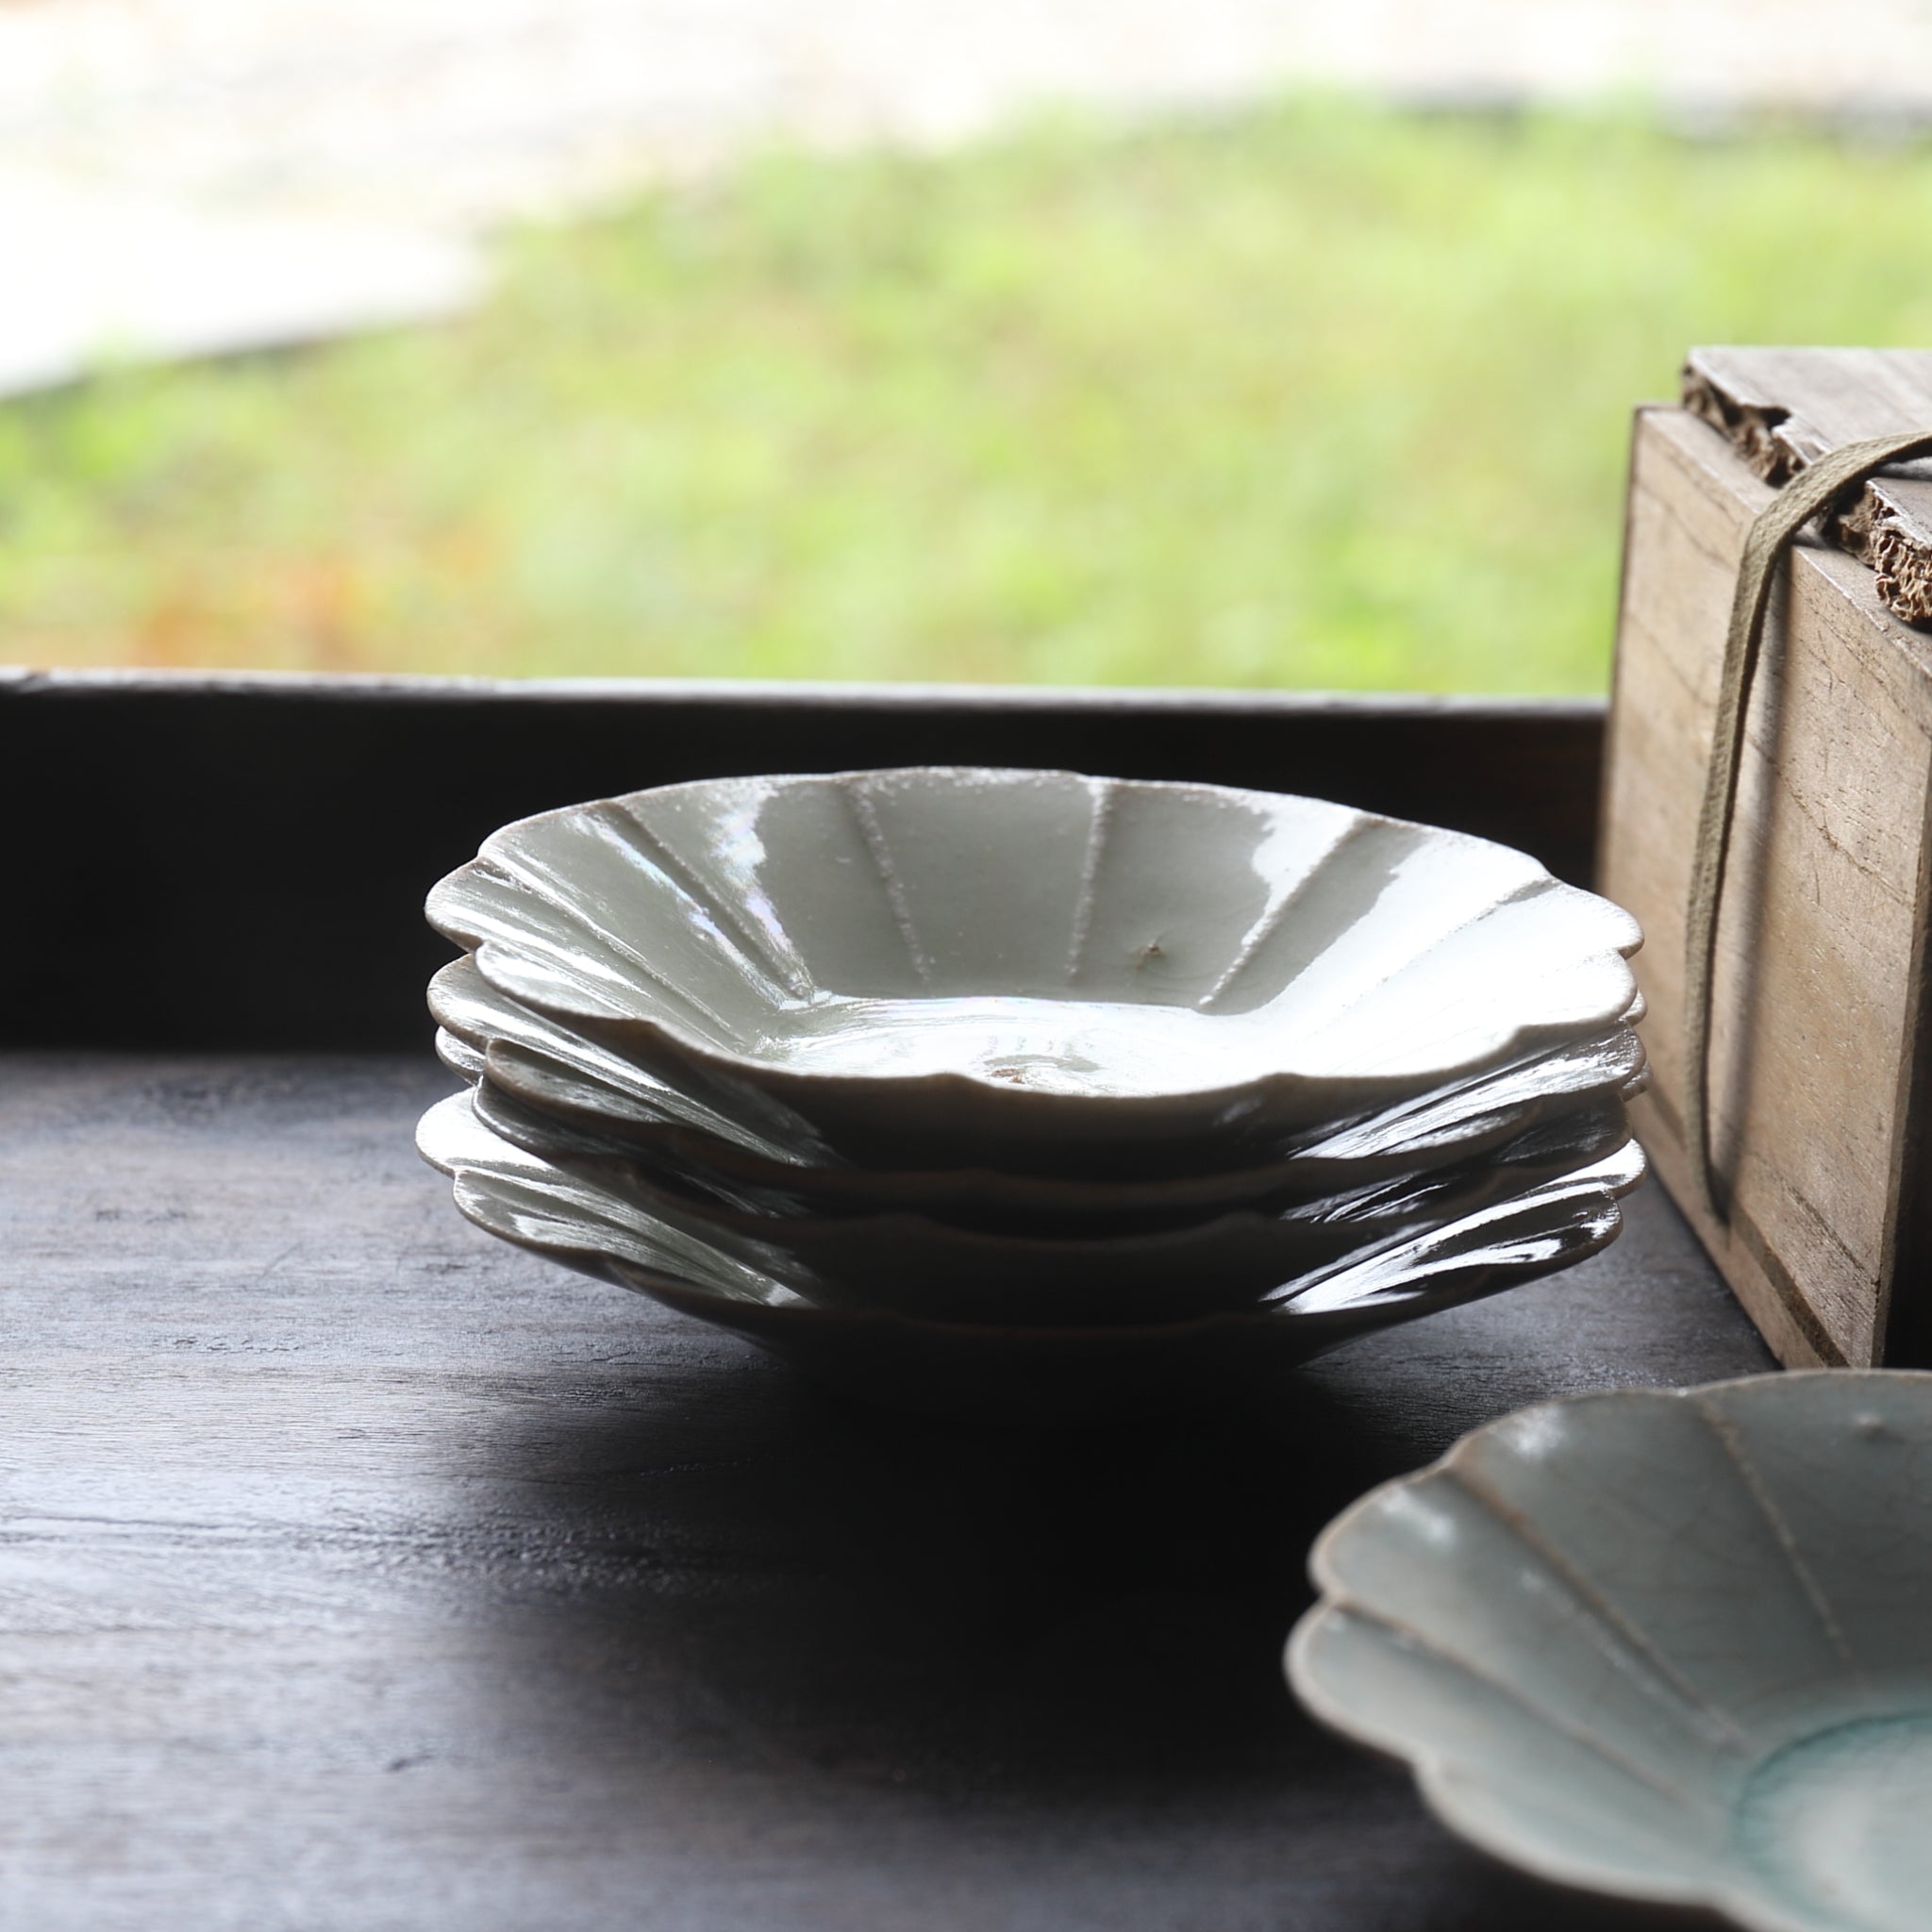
(1819, 1062)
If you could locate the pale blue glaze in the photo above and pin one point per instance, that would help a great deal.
(1675, 1645)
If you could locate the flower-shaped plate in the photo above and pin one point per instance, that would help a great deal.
(934, 1270)
(1030, 1374)
(679, 1130)
(929, 964)
(1673, 1645)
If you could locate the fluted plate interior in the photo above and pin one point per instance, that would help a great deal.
(1024, 1373)
(682, 1129)
(907, 956)
(1667, 1645)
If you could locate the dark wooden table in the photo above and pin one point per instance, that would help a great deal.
(359, 1572)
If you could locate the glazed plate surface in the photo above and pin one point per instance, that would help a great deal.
(1673, 1645)
(683, 1127)
(1019, 1374)
(922, 963)
(911, 1264)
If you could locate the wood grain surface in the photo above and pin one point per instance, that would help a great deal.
(1818, 1065)
(1783, 409)
(361, 1573)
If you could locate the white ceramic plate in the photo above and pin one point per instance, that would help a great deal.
(1673, 1645)
(683, 1132)
(1032, 969)
(931, 1269)
(1018, 1373)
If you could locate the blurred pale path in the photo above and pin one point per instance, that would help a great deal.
(459, 111)
(183, 176)
(96, 273)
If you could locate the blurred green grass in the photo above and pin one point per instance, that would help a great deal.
(1321, 395)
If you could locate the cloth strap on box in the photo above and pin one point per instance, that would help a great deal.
(1810, 493)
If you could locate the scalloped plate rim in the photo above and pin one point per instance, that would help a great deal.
(1436, 1774)
(937, 1088)
(600, 1262)
(1245, 1179)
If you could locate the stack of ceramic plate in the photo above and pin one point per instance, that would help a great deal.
(974, 1084)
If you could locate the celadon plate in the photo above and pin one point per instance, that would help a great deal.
(1089, 1273)
(930, 963)
(1673, 1645)
(678, 1132)
(1031, 1374)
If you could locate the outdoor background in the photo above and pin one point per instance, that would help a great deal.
(1216, 342)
